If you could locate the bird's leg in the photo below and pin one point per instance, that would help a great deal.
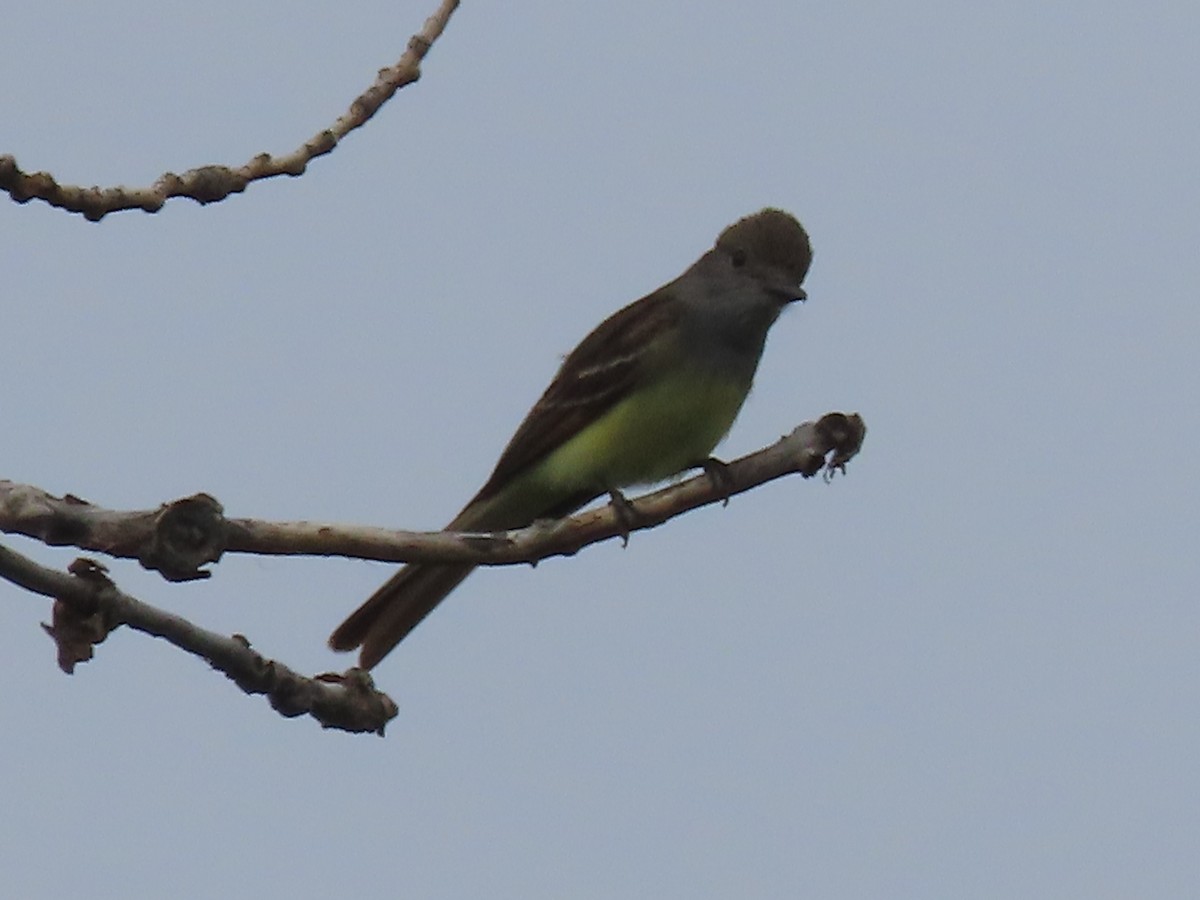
(628, 518)
(719, 476)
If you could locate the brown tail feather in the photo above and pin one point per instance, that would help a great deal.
(395, 609)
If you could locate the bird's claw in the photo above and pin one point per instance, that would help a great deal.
(721, 478)
(628, 518)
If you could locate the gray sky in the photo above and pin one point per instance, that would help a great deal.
(969, 669)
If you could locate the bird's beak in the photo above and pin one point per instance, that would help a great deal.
(800, 295)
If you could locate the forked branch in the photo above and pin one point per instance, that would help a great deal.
(180, 537)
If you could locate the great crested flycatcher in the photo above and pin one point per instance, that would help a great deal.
(649, 393)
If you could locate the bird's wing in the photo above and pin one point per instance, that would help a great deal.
(596, 374)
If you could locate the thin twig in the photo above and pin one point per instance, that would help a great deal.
(88, 606)
(212, 183)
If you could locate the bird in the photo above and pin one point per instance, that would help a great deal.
(648, 394)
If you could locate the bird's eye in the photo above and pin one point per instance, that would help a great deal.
(738, 257)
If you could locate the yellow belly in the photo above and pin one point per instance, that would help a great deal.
(649, 437)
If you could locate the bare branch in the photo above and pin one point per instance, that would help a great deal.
(210, 184)
(179, 537)
(88, 606)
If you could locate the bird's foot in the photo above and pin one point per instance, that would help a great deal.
(628, 518)
(719, 476)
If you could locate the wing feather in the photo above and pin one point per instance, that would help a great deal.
(594, 377)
